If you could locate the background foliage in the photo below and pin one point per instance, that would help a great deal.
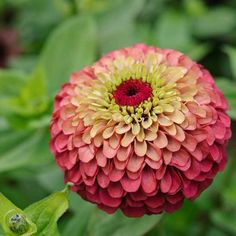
(42, 42)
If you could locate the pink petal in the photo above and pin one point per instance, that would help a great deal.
(86, 154)
(197, 153)
(140, 148)
(73, 156)
(109, 210)
(166, 182)
(114, 141)
(155, 201)
(120, 165)
(167, 156)
(154, 164)
(190, 143)
(108, 151)
(67, 127)
(215, 153)
(161, 172)
(180, 135)
(149, 183)
(224, 118)
(176, 183)
(89, 168)
(107, 200)
(173, 199)
(134, 211)
(194, 170)
(77, 141)
(123, 153)
(115, 190)
(73, 175)
(101, 159)
(219, 130)
(171, 130)
(173, 145)
(61, 142)
(102, 179)
(180, 158)
(135, 163)
(191, 190)
(206, 165)
(153, 152)
(199, 134)
(130, 185)
(116, 175)
(161, 140)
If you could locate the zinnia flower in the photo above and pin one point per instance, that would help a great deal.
(141, 130)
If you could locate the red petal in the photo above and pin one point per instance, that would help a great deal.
(102, 179)
(107, 200)
(130, 185)
(166, 182)
(149, 183)
(155, 201)
(115, 175)
(115, 190)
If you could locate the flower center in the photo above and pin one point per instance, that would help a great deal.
(132, 92)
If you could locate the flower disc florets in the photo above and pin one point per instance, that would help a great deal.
(140, 130)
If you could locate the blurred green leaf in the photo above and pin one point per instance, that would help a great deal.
(117, 225)
(78, 224)
(229, 89)
(231, 52)
(55, 175)
(24, 150)
(216, 232)
(70, 47)
(21, 95)
(92, 5)
(117, 27)
(11, 81)
(173, 30)
(35, 19)
(46, 213)
(225, 220)
(214, 22)
(195, 7)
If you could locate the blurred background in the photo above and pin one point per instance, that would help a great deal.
(42, 42)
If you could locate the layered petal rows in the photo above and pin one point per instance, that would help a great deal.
(141, 130)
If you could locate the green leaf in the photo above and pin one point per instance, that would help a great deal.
(215, 22)
(55, 175)
(26, 149)
(9, 210)
(25, 98)
(35, 19)
(172, 30)
(117, 27)
(224, 220)
(8, 78)
(46, 213)
(79, 223)
(117, 225)
(231, 52)
(70, 47)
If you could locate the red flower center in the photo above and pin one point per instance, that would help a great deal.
(132, 92)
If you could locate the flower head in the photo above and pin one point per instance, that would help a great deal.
(141, 130)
